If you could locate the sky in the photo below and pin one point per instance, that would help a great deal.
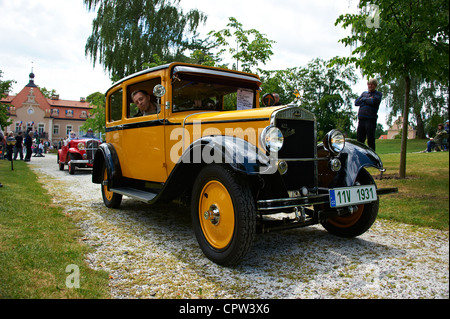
(49, 36)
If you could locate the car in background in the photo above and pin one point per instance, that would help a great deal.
(78, 153)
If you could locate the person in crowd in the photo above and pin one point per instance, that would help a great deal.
(28, 143)
(369, 103)
(10, 141)
(434, 142)
(18, 148)
(89, 134)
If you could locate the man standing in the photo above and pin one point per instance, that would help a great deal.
(368, 103)
(28, 142)
(18, 147)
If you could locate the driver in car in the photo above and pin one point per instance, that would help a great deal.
(145, 102)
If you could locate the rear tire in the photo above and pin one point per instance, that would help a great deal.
(110, 199)
(360, 221)
(223, 215)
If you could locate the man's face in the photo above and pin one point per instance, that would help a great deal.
(142, 101)
(371, 87)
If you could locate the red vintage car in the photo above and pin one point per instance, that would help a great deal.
(78, 152)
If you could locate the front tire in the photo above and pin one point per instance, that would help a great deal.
(223, 215)
(71, 166)
(60, 163)
(359, 222)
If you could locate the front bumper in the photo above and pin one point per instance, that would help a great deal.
(269, 206)
(91, 161)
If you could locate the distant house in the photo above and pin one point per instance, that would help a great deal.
(52, 118)
(395, 130)
(383, 137)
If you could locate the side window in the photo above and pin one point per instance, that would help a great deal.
(115, 106)
(140, 99)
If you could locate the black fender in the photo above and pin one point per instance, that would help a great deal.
(354, 157)
(106, 155)
(235, 152)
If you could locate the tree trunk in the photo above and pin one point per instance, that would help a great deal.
(405, 128)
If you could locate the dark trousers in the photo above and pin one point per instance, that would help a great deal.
(29, 152)
(366, 129)
(18, 150)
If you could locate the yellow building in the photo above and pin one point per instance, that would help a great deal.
(52, 118)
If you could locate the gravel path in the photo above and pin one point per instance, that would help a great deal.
(151, 252)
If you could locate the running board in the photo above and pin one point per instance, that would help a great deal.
(143, 196)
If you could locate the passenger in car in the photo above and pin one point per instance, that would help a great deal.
(144, 102)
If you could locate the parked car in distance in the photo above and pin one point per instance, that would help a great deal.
(77, 153)
(197, 132)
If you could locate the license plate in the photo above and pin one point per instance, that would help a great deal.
(346, 196)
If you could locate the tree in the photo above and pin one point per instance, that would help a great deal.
(400, 40)
(47, 93)
(428, 103)
(96, 120)
(5, 87)
(325, 90)
(250, 48)
(127, 34)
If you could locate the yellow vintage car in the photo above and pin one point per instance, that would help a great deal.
(200, 132)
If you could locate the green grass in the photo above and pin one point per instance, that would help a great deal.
(394, 146)
(423, 197)
(38, 242)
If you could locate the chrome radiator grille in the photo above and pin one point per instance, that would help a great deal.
(91, 148)
(299, 148)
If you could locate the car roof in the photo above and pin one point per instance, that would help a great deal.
(189, 68)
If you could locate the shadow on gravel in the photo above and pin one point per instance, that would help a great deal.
(297, 255)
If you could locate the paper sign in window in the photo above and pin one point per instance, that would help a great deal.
(244, 99)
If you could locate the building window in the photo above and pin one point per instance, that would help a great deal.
(55, 129)
(41, 128)
(68, 129)
(69, 113)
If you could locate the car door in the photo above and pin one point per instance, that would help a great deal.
(142, 139)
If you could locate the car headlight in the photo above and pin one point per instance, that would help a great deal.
(334, 141)
(272, 139)
(81, 146)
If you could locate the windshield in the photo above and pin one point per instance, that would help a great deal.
(209, 93)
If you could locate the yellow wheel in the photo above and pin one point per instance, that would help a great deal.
(110, 199)
(223, 214)
(216, 214)
(347, 221)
